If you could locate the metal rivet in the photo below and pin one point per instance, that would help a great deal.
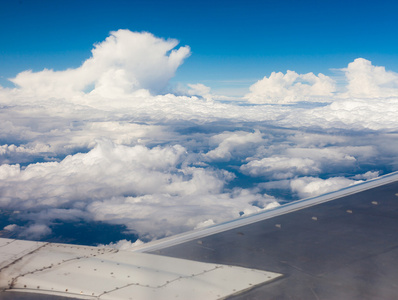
(315, 218)
(349, 211)
(375, 202)
(278, 225)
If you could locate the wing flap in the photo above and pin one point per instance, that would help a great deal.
(96, 273)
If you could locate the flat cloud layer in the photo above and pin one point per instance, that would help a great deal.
(103, 143)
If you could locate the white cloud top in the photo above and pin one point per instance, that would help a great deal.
(291, 87)
(368, 81)
(125, 62)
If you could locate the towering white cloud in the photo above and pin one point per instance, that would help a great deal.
(125, 62)
(368, 81)
(291, 87)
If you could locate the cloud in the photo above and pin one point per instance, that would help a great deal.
(154, 192)
(123, 245)
(278, 167)
(131, 170)
(157, 215)
(291, 87)
(310, 186)
(7, 171)
(368, 81)
(295, 160)
(363, 80)
(11, 227)
(232, 143)
(125, 62)
(368, 175)
(35, 231)
(201, 90)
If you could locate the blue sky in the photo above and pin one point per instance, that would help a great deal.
(233, 43)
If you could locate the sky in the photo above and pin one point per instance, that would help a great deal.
(233, 44)
(135, 120)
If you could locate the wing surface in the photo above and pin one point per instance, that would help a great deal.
(82, 272)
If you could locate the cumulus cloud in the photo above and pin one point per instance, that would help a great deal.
(35, 231)
(291, 87)
(368, 81)
(294, 160)
(278, 167)
(74, 178)
(312, 186)
(158, 215)
(11, 227)
(201, 90)
(125, 62)
(151, 191)
(368, 175)
(124, 245)
(232, 143)
(363, 80)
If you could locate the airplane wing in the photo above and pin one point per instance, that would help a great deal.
(341, 245)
